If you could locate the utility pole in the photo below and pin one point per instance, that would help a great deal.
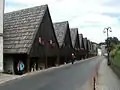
(107, 30)
(1, 34)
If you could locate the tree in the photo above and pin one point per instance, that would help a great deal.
(112, 42)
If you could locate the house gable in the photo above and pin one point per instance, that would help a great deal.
(85, 43)
(77, 43)
(67, 44)
(60, 31)
(67, 39)
(46, 33)
(73, 34)
(88, 43)
(81, 41)
(75, 37)
(20, 28)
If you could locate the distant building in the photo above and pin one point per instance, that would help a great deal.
(95, 49)
(1, 34)
(99, 52)
(103, 49)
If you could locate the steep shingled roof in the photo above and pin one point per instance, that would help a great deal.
(81, 41)
(88, 44)
(20, 28)
(73, 33)
(85, 43)
(60, 31)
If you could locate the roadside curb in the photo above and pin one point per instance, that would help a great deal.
(49, 69)
(53, 68)
(13, 78)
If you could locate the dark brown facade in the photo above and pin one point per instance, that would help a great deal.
(47, 53)
(89, 48)
(75, 42)
(82, 47)
(86, 46)
(62, 31)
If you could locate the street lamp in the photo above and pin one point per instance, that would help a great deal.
(107, 30)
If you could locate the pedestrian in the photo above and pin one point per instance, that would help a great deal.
(20, 67)
(73, 58)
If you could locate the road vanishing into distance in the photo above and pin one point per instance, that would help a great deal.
(69, 77)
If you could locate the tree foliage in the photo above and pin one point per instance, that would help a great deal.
(115, 50)
(112, 42)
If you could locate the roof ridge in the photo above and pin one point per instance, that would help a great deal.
(74, 28)
(26, 9)
(60, 22)
(16, 21)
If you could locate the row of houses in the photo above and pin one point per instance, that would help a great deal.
(31, 37)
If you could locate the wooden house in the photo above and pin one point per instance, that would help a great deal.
(89, 48)
(82, 47)
(95, 49)
(62, 32)
(91, 53)
(29, 37)
(86, 47)
(75, 42)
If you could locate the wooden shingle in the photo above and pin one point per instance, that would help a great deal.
(20, 27)
(81, 41)
(85, 43)
(60, 31)
(73, 33)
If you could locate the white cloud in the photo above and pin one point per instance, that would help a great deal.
(80, 13)
(94, 19)
(93, 34)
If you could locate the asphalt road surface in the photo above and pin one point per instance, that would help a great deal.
(68, 77)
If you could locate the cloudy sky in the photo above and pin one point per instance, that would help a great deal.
(90, 16)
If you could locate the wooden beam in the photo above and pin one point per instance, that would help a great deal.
(28, 65)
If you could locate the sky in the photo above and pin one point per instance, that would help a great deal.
(89, 16)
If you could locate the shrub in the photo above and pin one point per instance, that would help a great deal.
(114, 51)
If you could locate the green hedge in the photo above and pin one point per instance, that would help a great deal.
(116, 59)
(115, 55)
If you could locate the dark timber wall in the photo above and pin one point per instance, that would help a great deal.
(77, 45)
(46, 31)
(66, 50)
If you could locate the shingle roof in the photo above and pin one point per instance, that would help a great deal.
(81, 40)
(88, 45)
(60, 31)
(20, 27)
(73, 33)
(85, 43)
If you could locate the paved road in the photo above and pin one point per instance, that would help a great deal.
(71, 77)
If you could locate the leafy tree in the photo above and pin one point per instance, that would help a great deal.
(112, 42)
